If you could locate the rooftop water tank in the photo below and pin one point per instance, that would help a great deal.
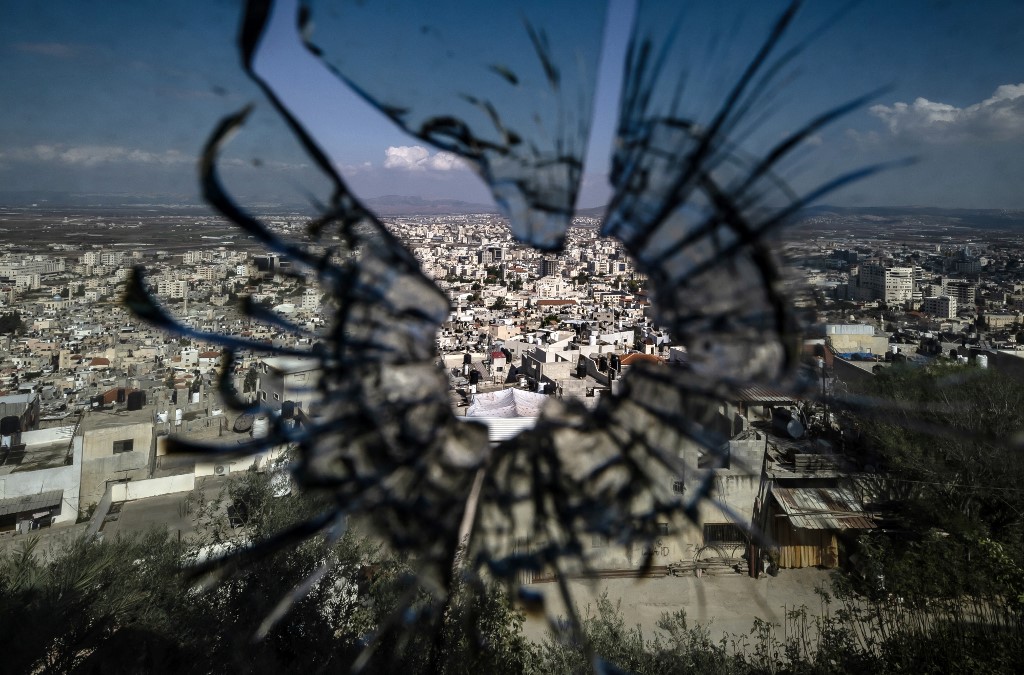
(786, 423)
(261, 427)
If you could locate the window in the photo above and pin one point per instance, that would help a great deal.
(277, 397)
(678, 487)
(663, 529)
(124, 446)
(717, 533)
(598, 541)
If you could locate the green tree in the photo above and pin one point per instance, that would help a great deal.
(943, 439)
(251, 379)
(134, 604)
(949, 429)
(10, 322)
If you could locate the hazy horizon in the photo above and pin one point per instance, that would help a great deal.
(121, 100)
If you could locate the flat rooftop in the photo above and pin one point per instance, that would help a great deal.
(105, 419)
(42, 449)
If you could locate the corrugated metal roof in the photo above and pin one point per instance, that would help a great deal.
(37, 502)
(822, 508)
(762, 395)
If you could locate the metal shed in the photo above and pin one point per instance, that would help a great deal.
(806, 522)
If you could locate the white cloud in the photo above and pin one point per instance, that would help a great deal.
(999, 117)
(95, 155)
(56, 50)
(92, 155)
(418, 158)
(353, 169)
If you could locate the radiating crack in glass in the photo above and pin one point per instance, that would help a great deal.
(690, 208)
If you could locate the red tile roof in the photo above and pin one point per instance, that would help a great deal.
(637, 357)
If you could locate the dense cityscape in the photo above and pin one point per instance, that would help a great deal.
(513, 338)
(91, 392)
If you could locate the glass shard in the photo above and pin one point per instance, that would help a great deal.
(508, 87)
(693, 208)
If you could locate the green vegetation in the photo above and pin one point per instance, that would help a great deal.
(130, 605)
(849, 636)
(251, 380)
(493, 274)
(947, 439)
(942, 589)
(11, 322)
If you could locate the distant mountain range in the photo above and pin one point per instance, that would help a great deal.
(401, 205)
(982, 218)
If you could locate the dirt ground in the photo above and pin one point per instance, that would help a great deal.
(728, 603)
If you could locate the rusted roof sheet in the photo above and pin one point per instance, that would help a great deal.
(637, 357)
(36, 502)
(762, 395)
(822, 508)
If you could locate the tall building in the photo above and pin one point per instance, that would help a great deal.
(941, 307)
(875, 281)
(962, 290)
(548, 266)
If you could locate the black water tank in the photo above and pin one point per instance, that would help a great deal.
(136, 400)
(120, 395)
(10, 425)
(288, 410)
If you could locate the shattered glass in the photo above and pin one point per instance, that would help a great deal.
(508, 88)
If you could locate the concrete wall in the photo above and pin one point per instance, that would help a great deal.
(850, 374)
(550, 371)
(99, 442)
(261, 461)
(735, 490)
(204, 428)
(860, 343)
(66, 478)
(592, 371)
(736, 485)
(100, 464)
(153, 487)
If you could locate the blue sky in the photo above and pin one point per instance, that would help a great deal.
(120, 97)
